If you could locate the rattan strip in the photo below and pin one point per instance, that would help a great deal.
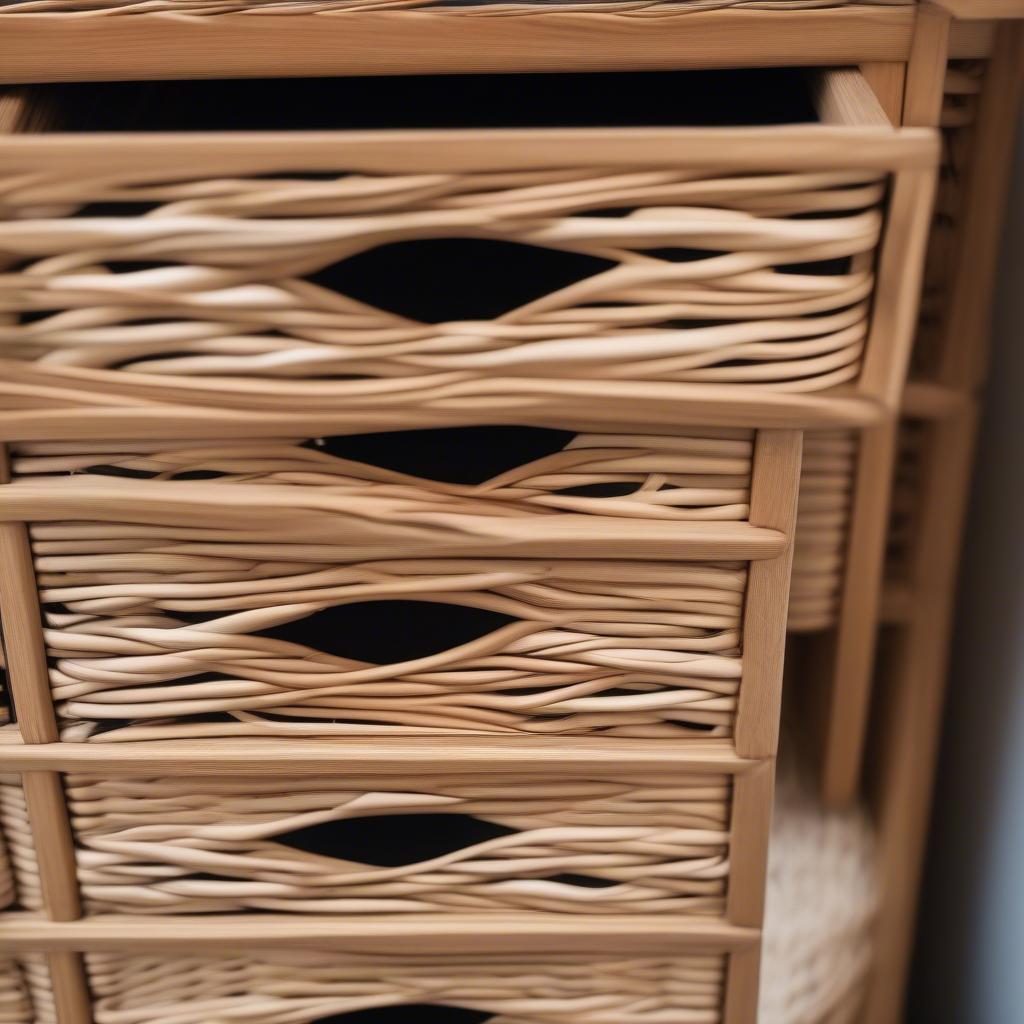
(19, 870)
(823, 512)
(479, 8)
(591, 647)
(233, 323)
(822, 895)
(211, 845)
(26, 995)
(279, 988)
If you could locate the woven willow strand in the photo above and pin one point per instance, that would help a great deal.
(277, 988)
(238, 327)
(151, 845)
(595, 646)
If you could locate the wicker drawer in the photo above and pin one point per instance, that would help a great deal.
(601, 589)
(229, 283)
(314, 986)
(443, 844)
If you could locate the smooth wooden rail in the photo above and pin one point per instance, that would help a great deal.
(534, 933)
(42, 47)
(557, 756)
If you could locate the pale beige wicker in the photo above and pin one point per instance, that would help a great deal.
(25, 991)
(19, 870)
(307, 987)
(826, 489)
(580, 846)
(821, 898)
(151, 627)
(730, 269)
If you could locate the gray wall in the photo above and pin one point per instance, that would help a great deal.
(970, 960)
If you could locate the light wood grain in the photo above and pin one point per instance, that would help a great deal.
(980, 224)
(71, 998)
(973, 10)
(773, 496)
(559, 756)
(887, 80)
(40, 48)
(507, 933)
(742, 983)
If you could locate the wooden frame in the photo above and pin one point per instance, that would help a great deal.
(41, 47)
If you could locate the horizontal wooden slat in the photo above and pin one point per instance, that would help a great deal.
(557, 756)
(349, 528)
(401, 933)
(656, 407)
(43, 47)
(142, 156)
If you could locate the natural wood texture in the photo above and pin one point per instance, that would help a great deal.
(742, 987)
(71, 997)
(534, 934)
(38, 47)
(980, 221)
(598, 406)
(750, 823)
(887, 80)
(971, 40)
(913, 679)
(912, 689)
(348, 528)
(845, 697)
(973, 10)
(25, 656)
(773, 495)
(559, 756)
(845, 97)
(926, 70)
(47, 815)
(282, 987)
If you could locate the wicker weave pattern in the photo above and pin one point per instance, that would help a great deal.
(594, 646)
(19, 873)
(822, 893)
(147, 846)
(480, 8)
(276, 988)
(25, 992)
(826, 490)
(234, 324)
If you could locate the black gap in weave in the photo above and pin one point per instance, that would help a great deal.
(454, 455)
(433, 280)
(385, 632)
(413, 1013)
(393, 840)
(749, 96)
(836, 267)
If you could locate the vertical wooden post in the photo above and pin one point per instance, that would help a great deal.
(29, 683)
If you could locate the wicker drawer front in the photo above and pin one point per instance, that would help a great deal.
(588, 277)
(311, 987)
(156, 630)
(390, 844)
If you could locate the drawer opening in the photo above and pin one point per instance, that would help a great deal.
(743, 97)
